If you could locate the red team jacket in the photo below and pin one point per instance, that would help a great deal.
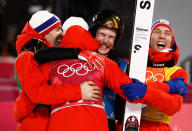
(68, 113)
(82, 115)
(162, 67)
(34, 81)
(35, 88)
(23, 107)
(86, 115)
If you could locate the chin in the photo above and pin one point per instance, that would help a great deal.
(102, 53)
(105, 53)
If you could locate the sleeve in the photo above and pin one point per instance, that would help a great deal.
(114, 77)
(162, 86)
(161, 99)
(36, 86)
(22, 107)
(33, 45)
(180, 73)
(155, 95)
(54, 53)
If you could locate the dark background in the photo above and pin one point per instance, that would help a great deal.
(15, 13)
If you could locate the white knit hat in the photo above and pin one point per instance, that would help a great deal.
(43, 22)
(74, 21)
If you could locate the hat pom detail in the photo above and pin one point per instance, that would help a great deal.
(74, 21)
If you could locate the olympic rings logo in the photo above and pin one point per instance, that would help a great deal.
(77, 68)
(156, 77)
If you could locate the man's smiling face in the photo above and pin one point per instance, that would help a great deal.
(161, 38)
(106, 37)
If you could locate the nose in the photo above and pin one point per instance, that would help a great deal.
(106, 39)
(162, 35)
(60, 32)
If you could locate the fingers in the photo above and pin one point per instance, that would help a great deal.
(100, 63)
(179, 78)
(93, 59)
(101, 57)
(95, 94)
(90, 91)
(126, 86)
(127, 92)
(91, 83)
(96, 90)
(123, 86)
(96, 65)
(100, 60)
(95, 97)
(90, 65)
(136, 80)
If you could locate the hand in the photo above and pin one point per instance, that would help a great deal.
(93, 59)
(177, 86)
(135, 90)
(89, 91)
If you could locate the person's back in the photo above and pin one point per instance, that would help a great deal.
(79, 112)
(87, 115)
(34, 77)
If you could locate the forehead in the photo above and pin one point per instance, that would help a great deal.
(162, 28)
(57, 28)
(106, 30)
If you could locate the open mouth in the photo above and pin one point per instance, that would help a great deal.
(161, 45)
(59, 38)
(103, 48)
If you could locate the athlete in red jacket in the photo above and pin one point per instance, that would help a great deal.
(82, 115)
(31, 39)
(27, 111)
(162, 77)
(90, 115)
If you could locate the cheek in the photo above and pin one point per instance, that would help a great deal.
(152, 42)
(111, 45)
(98, 39)
(169, 41)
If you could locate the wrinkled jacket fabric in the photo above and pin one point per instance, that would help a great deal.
(82, 115)
(23, 106)
(35, 88)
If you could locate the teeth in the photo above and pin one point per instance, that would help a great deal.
(161, 44)
(103, 46)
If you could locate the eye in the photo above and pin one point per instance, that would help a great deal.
(101, 35)
(58, 28)
(156, 31)
(111, 37)
(168, 33)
